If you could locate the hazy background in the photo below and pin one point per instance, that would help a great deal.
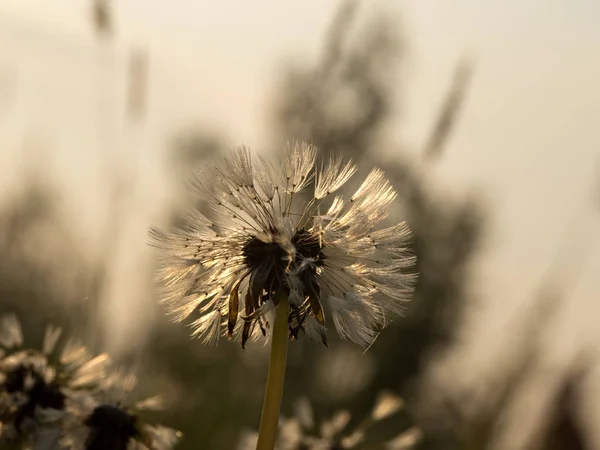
(102, 121)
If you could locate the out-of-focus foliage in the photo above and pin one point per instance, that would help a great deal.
(342, 103)
(40, 263)
(102, 18)
(564, 430)
(475, 417)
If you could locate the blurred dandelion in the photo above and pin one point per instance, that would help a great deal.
(111, 420)
(261, 250)
(65, 398)
(35, 385)
(301, 432)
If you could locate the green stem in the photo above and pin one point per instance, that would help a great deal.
(267, 433)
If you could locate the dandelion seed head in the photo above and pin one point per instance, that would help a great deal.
(112, 419)
(268, 240)
(34, 388)
(65, 397)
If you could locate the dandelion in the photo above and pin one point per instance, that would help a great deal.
(64, 398)
(273, 255)
(34, 385)
(260, 249)
(112, 420)
(302, 432)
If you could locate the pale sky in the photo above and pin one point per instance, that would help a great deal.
(527, 143)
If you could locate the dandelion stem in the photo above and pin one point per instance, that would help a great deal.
(269, 419)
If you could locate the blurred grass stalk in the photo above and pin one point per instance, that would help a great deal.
(450, 110)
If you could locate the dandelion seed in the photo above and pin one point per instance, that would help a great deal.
(268, 242)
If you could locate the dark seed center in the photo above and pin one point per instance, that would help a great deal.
(259, 254)
(40, 394)
(271, 259)
(110, 428)
(267, 263)
(308, 246)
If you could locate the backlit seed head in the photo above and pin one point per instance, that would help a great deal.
(270, 242)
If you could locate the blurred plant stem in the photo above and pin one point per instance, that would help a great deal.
(269, 418)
